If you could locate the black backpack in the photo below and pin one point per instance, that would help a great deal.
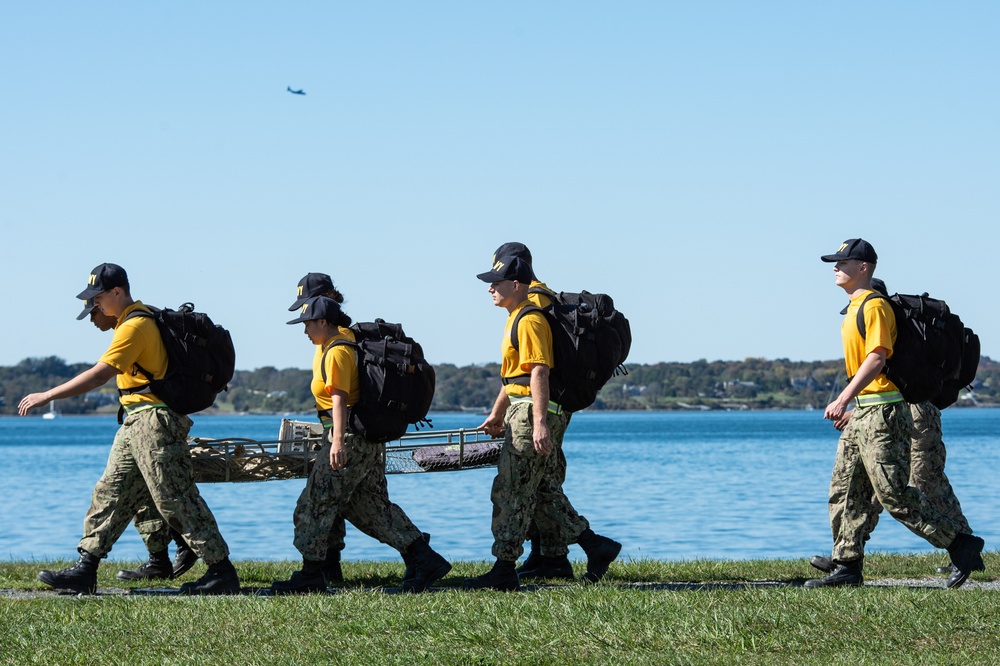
(934, 356)
(397, 383)
(591, 340)
(201, 359)
(966, 374)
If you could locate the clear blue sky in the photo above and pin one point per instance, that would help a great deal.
(691, 159)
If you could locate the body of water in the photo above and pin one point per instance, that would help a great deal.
(672, 486)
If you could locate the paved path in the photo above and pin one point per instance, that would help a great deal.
(679, 586)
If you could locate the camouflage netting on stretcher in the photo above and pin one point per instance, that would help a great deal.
(293, 454)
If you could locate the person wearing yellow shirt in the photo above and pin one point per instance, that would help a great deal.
(321, 284)
(528, 484)
(549, 553)
(873, 454)
(348, 478)
(150, 460)
(155, 532)
(927, 462)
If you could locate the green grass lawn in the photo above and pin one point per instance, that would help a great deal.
(617, 621)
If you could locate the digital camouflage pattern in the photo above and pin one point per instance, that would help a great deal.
(150, 465)
(152, 528)
(357, 492)
(873, 462)
(927, 458)
(529, 485)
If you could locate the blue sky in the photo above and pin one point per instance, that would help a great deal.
(693, 160)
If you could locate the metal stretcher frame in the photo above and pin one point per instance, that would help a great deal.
(296, 449)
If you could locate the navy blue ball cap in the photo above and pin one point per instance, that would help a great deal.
(103, 278)
(318, 307)
(853, 248)
(508, 268)
(313, 284)
(519, 250)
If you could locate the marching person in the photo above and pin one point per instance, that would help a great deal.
(548, 557)
(873, 459)
(155, 532)
(927, 460)
(348, 477)
(321, 284)
(531, 468)
(150, 459)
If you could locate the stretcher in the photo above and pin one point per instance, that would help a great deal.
(293, 453)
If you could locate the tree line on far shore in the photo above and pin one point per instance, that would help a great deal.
(749, 384)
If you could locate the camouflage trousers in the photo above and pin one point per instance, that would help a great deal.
(927, 458)
(528, 487)
(150, 466)
(357, 492)
(156, 534)
(873, 464)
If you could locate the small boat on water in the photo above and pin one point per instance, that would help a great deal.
(52, 413)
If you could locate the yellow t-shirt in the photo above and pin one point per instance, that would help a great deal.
(534, 340)
(341, 372)
(880, 331)
(136, 341)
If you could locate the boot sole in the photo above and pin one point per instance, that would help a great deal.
(819, 583)
(472, 587)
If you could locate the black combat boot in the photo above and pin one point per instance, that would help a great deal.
(157, 566)
(184, 557)
(331, 567)
(534, 558)
(408, 571)
(548, 567)
(601, 552)
(427, 566)
(966, 556)
(80, 578)
(824, 564)
(844, 574)
(309, 579)
(501, 577)
(221, 578)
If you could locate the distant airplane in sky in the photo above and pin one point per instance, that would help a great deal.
(296, 92)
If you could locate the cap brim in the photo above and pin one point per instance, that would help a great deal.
(489, 277)
(89, 293)
(300, 320)
(299, 302)
(86, 311)
(832, 258)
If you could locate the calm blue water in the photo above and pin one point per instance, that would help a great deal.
(717, 485)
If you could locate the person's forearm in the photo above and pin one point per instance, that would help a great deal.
(540, 391)
(869, 370)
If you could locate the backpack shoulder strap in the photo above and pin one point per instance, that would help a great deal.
(517, 320)
(861, 311)
(520, 379)
(335, 343)
(145, 373)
